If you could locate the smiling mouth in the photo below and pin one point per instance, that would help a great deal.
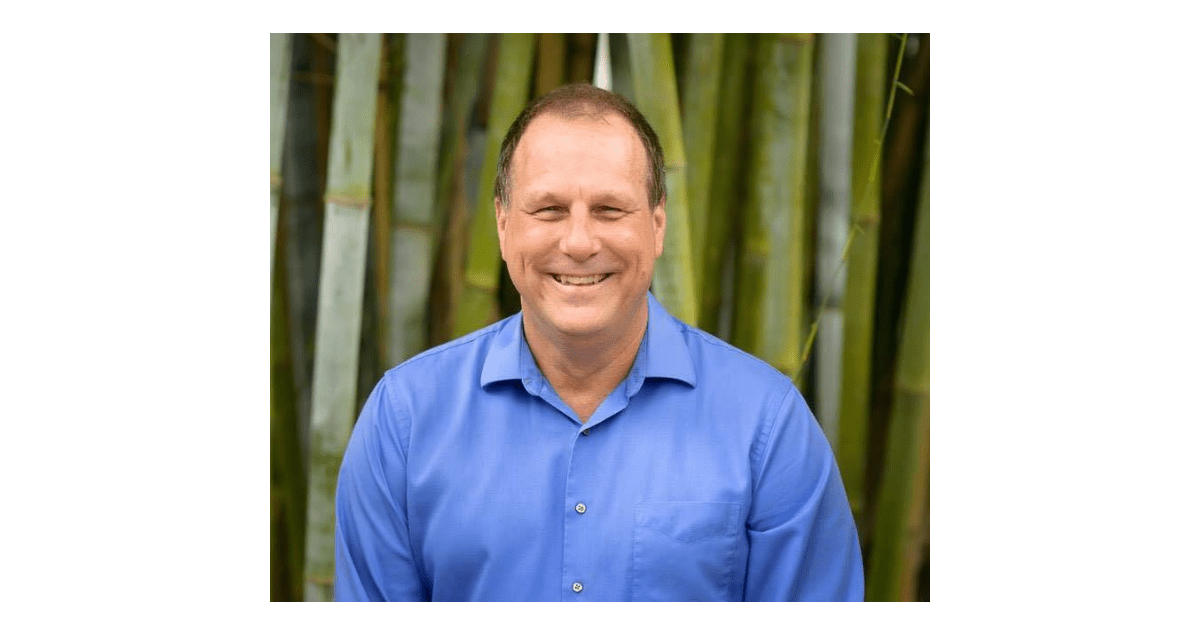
(580, 280)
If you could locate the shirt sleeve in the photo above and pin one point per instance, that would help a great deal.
(803, 541)
(374, 559)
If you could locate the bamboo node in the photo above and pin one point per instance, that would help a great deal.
(319, 580)
(866, 221)
(347, 202)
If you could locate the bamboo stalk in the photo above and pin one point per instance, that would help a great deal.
(287, 496)
(387, 113)
(769, 306)
(725, 201)
(619, 65)
(898, 539)
(281, 66)
(811, 202)
(581, 57)
(551, 61)
(478, 305)
(450, 207)
(414, 227)
(656, 96)
(339, 311)
(837, 138)
(699, 135)
(859, 303)
(602, 75)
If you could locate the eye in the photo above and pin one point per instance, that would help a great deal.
(547, 213)
(610, 213)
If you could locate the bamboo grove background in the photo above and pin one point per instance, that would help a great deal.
(798, 230)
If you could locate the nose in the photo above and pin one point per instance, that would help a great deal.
(579, 242)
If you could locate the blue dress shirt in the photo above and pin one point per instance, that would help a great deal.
(702, 476)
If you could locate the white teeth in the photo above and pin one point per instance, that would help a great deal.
(572, 280)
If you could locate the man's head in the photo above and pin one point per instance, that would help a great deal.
(577, 227)
(573, 102)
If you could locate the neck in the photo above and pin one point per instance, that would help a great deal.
(585, 367)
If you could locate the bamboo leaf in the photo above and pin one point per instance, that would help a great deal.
(904, 87)
(478, 306)
(339, 310)
(656, 96)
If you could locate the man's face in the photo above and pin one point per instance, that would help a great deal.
(579, 236)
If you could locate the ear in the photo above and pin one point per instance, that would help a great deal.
(659, 216)
(501, 223)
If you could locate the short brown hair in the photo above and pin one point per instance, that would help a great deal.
(574, 101)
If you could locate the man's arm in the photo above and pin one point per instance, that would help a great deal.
(803, 541)
(374, 560)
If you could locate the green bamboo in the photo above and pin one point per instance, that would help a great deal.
(287, 495)
(859, 303)
(656, 96)
(281, 68)
(581, 57)
(725, 201)
(413, 226)
(619, 65)
(339, 309)
(465, 80)
(478, 305)
(387, 115)
(837, 137)
(898, 539)
(551, 62)
(700, 134)
(769, 304)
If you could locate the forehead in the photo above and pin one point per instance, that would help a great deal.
(581, 148)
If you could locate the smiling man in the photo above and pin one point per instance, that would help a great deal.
(591, 447)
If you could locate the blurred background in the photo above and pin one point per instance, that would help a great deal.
(798, 230)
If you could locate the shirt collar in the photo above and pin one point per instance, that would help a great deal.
(663, 352)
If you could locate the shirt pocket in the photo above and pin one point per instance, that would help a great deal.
(684, 551)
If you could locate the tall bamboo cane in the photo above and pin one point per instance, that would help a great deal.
(769, 307)
(450, 208)
(725, 202)
(699, 136)
(281, 69)
(339, 312)
(896, 551)
(551, 62)
(413, 226)
(837, 138)
(619, 65)
(478, 305)
(854, 406)
(656, 96)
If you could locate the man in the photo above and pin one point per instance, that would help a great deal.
(591, 447)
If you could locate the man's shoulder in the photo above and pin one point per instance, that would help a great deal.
(719, 363)
(449, 361)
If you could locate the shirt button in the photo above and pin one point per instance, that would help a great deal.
(577, 587)
(580, 508)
